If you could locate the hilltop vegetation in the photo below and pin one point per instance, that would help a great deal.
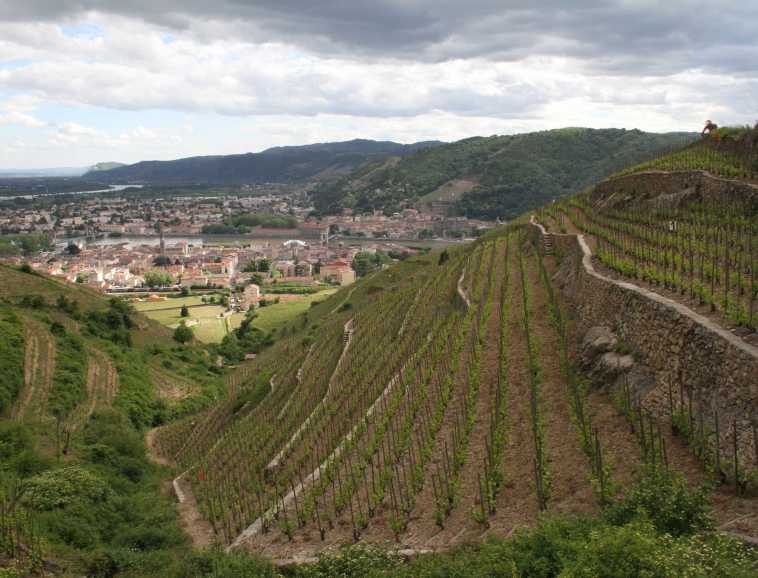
(505, 175)
(730, 152)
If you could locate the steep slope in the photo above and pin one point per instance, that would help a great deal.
(498, 176)
(77, 391)
(438, 401)
(279, 164)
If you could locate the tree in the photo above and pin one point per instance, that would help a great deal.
(365, 262)
(182, 333)
(444, 256)
(73, 249)
(184, 292)
(264, 265)
(184, 311)
(157, 279)
(161, 261)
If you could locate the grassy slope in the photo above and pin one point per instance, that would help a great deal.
(131, 529)
(274, 317)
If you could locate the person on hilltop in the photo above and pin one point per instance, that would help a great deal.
(710, 128)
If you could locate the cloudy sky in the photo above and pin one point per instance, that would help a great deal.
(83, 81)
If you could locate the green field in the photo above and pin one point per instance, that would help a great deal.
(210, 328)
(170, 303)
(275, 316)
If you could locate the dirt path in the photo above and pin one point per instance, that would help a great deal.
(734, 513)
(197, 528)
(31, 366)
(348, 333)
(345, 300)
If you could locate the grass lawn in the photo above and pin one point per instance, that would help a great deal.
(210, 329)
(275, 316)
(169, 303)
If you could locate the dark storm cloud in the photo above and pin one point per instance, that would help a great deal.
(621, 37)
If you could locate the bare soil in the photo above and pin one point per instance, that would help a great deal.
(197, 528)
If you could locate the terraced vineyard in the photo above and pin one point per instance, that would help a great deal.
(731, 156)
(437, 402)
(706, 252)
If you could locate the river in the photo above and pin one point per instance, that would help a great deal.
(111, 189)
(202, 240)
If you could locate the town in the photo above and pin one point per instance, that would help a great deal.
(128, 242)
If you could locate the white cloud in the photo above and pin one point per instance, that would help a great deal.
(279, 87)
(20, 118)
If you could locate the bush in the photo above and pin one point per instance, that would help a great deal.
(351, 561)
(183, 334)
(629, 551)
(65, 486)
(217, 564)
(665, 499)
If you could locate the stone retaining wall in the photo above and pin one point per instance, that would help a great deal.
(681, 348)
(673, 189)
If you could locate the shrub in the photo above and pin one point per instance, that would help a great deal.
(665, 499)
(217, 564)
(65, 486)
(629, 551)
(182, 334)
(351, 561)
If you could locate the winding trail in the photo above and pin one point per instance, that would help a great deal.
(101, 386)
(192, 522)
(461, 291)
(737, 512)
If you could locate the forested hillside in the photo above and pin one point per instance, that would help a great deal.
(498, 176)
(277, 165)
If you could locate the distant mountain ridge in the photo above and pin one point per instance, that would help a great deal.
(495, 177)
(278, 164)
(100, 167)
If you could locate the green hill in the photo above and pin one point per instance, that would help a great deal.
(278, 164)
(430, 404)
(435, 402)
(83, 377)
(498, 176)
